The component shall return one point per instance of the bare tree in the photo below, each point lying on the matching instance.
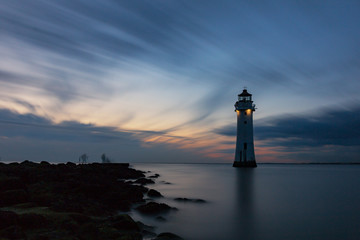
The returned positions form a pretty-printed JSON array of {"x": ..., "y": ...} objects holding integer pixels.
[
  {"x": 83, "y": 158},
  {"x": 104, "y": 158}
]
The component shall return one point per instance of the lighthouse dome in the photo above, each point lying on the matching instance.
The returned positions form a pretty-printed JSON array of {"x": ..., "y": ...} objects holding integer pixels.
[{"x": 245, "y": 93}]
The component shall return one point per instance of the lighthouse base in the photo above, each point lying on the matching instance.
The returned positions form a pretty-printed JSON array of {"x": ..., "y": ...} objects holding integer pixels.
[{"x": 251, "y": 164}]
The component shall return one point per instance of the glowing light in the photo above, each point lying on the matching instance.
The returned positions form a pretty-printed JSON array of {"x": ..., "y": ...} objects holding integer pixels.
[{"x": 248, "y": 111}]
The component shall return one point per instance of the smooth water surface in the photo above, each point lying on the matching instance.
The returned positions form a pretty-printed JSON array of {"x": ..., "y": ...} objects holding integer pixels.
[{"x": 270, "y": 202}]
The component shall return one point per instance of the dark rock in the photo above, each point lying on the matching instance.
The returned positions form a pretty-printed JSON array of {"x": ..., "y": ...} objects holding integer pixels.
[
  {"x": 44, "y": 163},
  {"x": 88, "y": 231},
  {"x": 168, "y": 236},
  {"x": 13, "y": 232},
  {"x": 32, "y": 221},
  {"x": 124, "y": 222},
  {"x": 11, "y": 183},
  {"x": 154, "y": 208},
  {"x": 27, "y": 162},
  {"x": 131, "y": 236},
  {"x": 7, "y": 219},
  {"x": 164, "y": 182},
  {"x": 13, "y": 197},
  {"x": 154, "y": 193},
  {"x": 70, "y": 164},
  {"x": 80, "y": 218},
  {"x": 161, "y": 219},
  {"x": 190, "y": 200},
  {"x": 144, "y": 181},
  {"x": 154, "y": 176}
]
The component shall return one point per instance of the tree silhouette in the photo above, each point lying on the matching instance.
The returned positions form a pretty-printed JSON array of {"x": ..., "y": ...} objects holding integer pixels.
[
  {"x": 83, "y": 158},
  {"x": 104, "y": 158}
]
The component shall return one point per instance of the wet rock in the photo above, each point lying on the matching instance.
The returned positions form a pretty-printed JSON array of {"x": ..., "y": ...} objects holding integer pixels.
[
  {"x": 144, "y": 181},
  {"x": 124, "y": 222},
  {"x": 12, "y": 232},
  {"x": 154, "y": 193},
  {"x": 13, "y": 197},
  {"x": 7, "y": 219},
  {"x": 32, "y": 221},
  {"x": 154, "y": 208},
  {"x": 80, "y": 218},
  {"x": 190, "y": 200},
  {"x": 160, "y": 219},
  {"x": 11, "y": 183},
  {"x": 164, "y": 182},
  {"x": 167, "y": 236},
  {"x": 154, "y": 176}
]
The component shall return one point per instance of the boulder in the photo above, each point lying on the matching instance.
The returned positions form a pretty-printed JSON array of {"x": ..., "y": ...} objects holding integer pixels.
[
  {"x": 12, "y": 232},
  {"x": 154, "y": 193},
  {"x": 124, "y": 222},
  {"x": 154, "y": 176},
  {"x": 154, "y": 208},
  {"x": 144, "y": 181},
  {"x": 7, "y": 219},
  {"x": 32, "y": 221},
  {"x": 167, "y": 236},
  {"x": 190, "y": 200},
  {"x": 12, "y": 197},
  {"x": 11, "y": 183}
]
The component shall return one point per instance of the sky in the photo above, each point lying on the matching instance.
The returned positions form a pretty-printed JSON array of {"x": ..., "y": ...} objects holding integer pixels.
[{"x": 156, "y": 81}]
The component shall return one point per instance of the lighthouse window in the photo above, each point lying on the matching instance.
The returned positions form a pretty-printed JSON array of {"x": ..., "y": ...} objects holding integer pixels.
[
  {"x": 245, "y": 122},
  {"x": 245, "y": 113},
  {"x": 245, "y": 145}
]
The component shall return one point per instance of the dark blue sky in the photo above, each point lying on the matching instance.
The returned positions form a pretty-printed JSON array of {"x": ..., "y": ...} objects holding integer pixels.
[{"x": 157, "y": 80}]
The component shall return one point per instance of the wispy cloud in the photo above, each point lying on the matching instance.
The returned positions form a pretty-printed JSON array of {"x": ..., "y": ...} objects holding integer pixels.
[{"x": 174, "y": 68}]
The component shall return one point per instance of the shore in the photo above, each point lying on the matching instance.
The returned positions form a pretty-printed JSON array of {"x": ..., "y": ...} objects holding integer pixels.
[{"x": 69, "y": 201}]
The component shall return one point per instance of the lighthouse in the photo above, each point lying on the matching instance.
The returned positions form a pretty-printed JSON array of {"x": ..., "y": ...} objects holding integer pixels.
[{"x": 244, "y": 153}]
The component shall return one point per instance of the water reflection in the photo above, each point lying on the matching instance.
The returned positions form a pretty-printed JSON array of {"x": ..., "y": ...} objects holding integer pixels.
[{"x": 245, "y": 203}]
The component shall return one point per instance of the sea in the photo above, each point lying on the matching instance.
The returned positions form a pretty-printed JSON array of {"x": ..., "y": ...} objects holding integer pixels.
[{"x": 270, "y": 202}]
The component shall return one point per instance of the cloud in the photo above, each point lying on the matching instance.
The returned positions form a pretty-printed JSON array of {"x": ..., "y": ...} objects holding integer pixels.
[
  {"x": 329, "y": 127},
  {"x": 28, "y": 136}
]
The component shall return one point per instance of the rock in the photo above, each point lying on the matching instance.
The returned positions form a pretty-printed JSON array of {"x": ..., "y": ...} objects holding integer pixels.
[
  {"x": 154, "y": 208},
  {"x": 88, "y": 231},
  {"x": 131, "y": 236},
  {"x": 80, "y": 218},
  {"x": 124, "y": 222},
  {"x": 160, "y": 219},
  {"x": 12, "y": 197},
  {"x": 190, "y": 200},
  {"x": 154, "y": 193},
  {"x": 32, "y": 221},
  {"x": 12, "y": 232},
  {"x": 70, "y": 164},
  {"x": 167, "y": 236},
  {"x": 7, "y": 219},
  {"x": 154, "y": 176},
  {"x": 144, "y": 181},
  {"x": 45, "y": 163},
  {"x": 11, "y": 183}
]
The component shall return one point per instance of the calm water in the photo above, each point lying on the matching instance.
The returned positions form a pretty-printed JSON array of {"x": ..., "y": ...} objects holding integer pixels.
[{"x": 269, "y": 202}]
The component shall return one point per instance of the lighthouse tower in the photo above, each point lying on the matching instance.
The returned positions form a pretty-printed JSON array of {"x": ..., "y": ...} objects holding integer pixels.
[{"x": 244, "y": 153}]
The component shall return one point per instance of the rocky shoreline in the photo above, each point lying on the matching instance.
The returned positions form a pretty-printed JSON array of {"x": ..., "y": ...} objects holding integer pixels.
[{"x": 69, "y": 201}]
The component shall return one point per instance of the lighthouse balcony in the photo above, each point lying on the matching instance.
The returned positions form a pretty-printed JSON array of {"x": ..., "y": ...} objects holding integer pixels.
[{"x": 244, "y": 106}]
